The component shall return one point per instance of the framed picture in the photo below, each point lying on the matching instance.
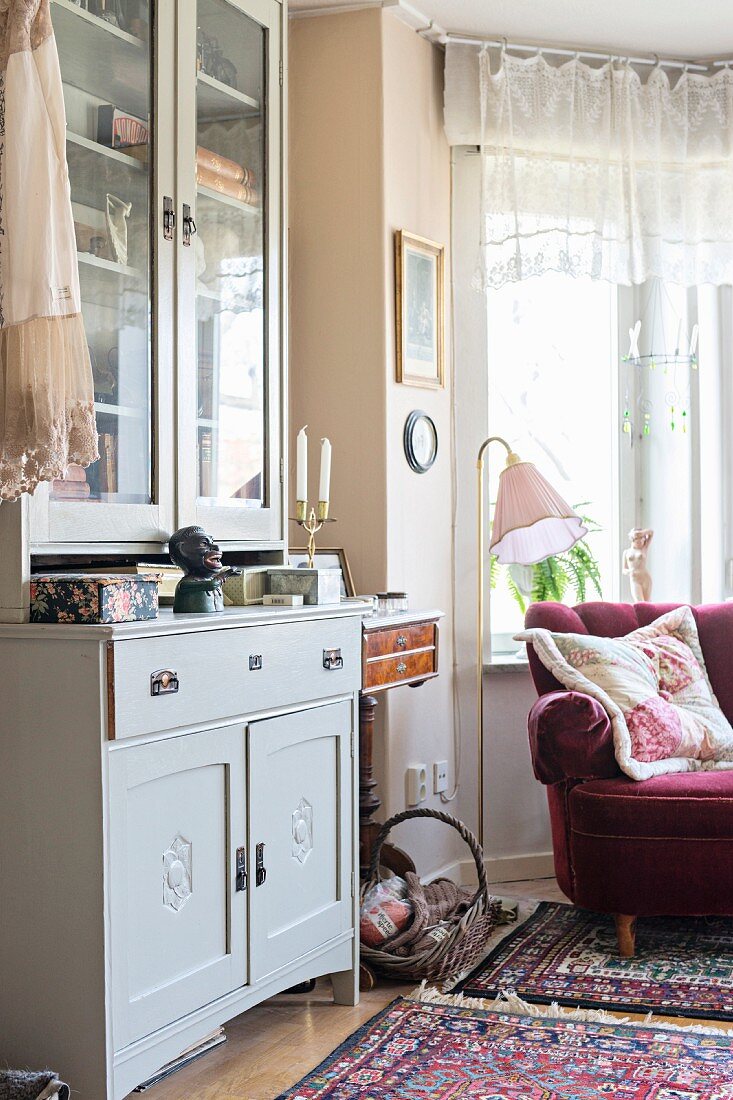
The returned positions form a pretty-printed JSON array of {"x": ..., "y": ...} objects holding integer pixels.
[
  {"x": 419, "y": 311},
  {"x": 333, "y": 558}
]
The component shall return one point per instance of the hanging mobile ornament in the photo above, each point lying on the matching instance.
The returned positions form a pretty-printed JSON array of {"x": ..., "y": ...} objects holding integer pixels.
[
  {"x": 684, "y": 421},
  {"x": 626, "y": 425},
  {"x": 672, "y": 400}
]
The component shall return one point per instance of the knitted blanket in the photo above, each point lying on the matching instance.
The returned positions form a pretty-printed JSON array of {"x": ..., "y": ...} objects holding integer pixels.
[{"x": 436, "y": 905}]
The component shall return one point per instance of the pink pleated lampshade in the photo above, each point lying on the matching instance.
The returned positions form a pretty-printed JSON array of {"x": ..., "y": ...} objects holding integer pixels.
[{"x": 531, "y": 521}]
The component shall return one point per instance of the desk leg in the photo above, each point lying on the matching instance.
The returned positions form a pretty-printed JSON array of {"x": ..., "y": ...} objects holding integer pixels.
[
  {"x": 393, "y": 858},
  {"x": 368, "y": 801}
]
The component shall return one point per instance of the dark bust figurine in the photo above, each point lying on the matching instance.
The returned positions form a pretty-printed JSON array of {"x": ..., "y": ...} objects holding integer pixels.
[{"x": 199, "y": 589}]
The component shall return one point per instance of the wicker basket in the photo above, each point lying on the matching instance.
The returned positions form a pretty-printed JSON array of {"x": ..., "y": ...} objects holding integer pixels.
[{"x": 466, "y": 939}]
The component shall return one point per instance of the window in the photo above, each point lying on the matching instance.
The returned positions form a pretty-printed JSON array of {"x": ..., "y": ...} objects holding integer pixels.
[
  {"x": 541, "y": 362},
  {"x": 631, "y": 444},
  {"x": 552, "y": 354}
]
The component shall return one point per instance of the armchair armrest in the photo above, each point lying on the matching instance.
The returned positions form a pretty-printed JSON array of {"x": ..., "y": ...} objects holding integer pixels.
[{"x": 570, "y": 737}]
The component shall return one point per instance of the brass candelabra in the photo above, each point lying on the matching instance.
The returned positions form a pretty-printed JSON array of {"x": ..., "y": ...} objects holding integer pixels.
[{"x": 312, "y": 520}]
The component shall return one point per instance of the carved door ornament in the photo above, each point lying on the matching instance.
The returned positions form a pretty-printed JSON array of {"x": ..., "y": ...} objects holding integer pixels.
[
  {"x": 177, "y": 886},
  {"x": 302, "y": 830}
]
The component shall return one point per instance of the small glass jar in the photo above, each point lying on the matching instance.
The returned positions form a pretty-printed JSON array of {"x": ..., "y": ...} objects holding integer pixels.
[{"x": 390, "y": 603}]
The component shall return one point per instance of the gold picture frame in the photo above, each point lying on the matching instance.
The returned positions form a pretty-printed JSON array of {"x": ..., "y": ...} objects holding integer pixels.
[
  {"x": 326, "y": 557},
  {"x": 419, "y": 311}
]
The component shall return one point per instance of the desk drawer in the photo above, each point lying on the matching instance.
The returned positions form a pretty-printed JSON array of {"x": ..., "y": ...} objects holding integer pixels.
[
  {"x": 228, "y": 672},
  {"x": 378, "y": 643},
  {"x": 386, "y": 671}
]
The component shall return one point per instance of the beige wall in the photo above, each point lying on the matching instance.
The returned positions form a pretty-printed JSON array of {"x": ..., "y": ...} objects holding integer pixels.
[
  {"x": 368, "y": 156},
  {"x": 417, "y": 198},
  {"x": 337, "y": 331}
]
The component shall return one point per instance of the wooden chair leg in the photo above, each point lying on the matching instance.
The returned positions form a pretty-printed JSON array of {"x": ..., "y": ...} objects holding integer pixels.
[{"x": 626, "y": 935}]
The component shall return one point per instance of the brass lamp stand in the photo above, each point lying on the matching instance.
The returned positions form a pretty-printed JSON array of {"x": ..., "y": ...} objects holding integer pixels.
[
  {"x": 532, "y": 522},
  {"x": 480, "y": 625}
]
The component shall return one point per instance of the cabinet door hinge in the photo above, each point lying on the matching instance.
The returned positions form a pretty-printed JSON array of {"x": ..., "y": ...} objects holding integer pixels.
[
  {"x": 353, "y": 884},
  {"x": 353, "y": 743},
  {"x": 282, "y": 471},
  {"x": 281, "y": 72}
]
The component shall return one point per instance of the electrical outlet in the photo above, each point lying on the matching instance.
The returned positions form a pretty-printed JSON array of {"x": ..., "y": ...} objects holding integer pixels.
[
  {"x": 416, "y": 784},
  {"x": 440, "y": 776}
]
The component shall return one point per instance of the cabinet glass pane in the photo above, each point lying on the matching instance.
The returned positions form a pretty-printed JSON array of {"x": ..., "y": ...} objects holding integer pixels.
[
  {"x": 230, "y": 256},
  {"x": 104, "y": 49}
]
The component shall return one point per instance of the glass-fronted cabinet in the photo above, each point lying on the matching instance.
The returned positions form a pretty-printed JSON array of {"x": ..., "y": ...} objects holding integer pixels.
[{"x": 174, "y": 152}]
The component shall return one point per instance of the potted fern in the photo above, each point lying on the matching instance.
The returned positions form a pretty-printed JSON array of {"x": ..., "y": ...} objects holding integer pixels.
[{"x": 576, "y": 571}]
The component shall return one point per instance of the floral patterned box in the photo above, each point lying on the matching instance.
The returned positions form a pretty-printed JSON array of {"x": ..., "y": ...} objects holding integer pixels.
[{"x": 94, "y": 598}]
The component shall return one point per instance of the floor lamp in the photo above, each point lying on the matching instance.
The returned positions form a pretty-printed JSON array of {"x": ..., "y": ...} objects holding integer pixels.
[{"x": 531, "y": 522}]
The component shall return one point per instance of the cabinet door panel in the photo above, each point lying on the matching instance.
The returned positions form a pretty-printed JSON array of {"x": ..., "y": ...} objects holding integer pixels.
[
  {"x": 177, "y": 813},
  {"x": 116, "y": 109},
  {"x": 229, "y": 319},
  {"x": 300, "y": 810}
]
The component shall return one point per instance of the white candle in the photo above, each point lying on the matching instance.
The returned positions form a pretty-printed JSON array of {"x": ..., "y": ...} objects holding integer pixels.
[
  {"x": 324, "y": 488},
  {"x": 693, "y": 339},
  {"x": 301, "y": 480}
]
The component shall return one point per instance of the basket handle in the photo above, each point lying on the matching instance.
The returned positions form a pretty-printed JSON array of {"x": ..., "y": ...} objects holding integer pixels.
[{"x": 448, "y": 819}]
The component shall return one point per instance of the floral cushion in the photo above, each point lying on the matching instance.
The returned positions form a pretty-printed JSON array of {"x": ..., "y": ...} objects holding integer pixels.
[{"x": 655, "y": 689}]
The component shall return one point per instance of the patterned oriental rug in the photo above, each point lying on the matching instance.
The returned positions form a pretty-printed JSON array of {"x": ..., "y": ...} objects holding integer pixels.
[
  {"x": 418, "y": 1050},
  {"x": 683, "y": 965}
]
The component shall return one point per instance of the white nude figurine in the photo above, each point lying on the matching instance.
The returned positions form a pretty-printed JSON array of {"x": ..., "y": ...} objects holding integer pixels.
[{"x": 635, "y": 567}]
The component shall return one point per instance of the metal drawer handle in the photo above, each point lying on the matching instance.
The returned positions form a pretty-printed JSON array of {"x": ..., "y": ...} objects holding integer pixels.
[
  {"x": 401, "y": 641},
  {"x": 241, "y": 870},
  {"x": 401, "y": 667},
  {"x": 332, "y": 659},
  {"x": 260, "y": 869},
  {"x": 163, "y": 682}
]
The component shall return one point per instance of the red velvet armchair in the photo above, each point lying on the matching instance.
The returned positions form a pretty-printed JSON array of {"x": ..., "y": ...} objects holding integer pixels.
[{"x": 660, "y": 847}]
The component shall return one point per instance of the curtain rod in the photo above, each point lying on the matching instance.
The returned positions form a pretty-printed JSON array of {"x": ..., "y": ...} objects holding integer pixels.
[{"x": 605, "y": 55}]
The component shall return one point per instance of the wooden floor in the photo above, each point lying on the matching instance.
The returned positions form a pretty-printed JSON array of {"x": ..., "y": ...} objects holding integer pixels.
[{"x": 272, "y": 1046}]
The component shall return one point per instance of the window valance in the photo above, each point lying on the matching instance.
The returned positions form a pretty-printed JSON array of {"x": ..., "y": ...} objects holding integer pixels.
[{"x": 596, "y": 171}]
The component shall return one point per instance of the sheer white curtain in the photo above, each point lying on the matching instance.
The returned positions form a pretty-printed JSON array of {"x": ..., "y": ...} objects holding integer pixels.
[{"x": 596, "y": 171}]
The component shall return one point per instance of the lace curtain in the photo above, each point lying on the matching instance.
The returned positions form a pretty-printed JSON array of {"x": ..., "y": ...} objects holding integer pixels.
[
  {"x": 595, "y": 171},
  {"x": 46, "y": 389}
]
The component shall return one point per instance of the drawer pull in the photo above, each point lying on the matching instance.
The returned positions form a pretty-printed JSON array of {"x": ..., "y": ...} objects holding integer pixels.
[
  {"x": 163, "y": 682},
  {"x": 260, "y": 869},
  {"x": 255, "y": 662},
  {"x": 332, "y": 659},
  {"x": 401, "y": 641},
  {"x": 401, "y": 667},
  {"x": 241, "y": 870}
]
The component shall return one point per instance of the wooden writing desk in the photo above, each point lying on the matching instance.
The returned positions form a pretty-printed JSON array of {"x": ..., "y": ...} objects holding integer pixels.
[{"x": 396, "y": 649}]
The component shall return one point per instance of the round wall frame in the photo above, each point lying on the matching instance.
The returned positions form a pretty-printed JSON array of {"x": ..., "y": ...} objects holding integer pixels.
[{"x": 420, "y": 441}]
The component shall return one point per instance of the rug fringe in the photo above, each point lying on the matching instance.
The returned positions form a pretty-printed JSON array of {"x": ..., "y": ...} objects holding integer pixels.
[{"x": 509, "y": 1002}]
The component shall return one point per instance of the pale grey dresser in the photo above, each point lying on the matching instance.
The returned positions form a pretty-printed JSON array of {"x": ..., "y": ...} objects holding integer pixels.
[{"x": 177, "y": 830}]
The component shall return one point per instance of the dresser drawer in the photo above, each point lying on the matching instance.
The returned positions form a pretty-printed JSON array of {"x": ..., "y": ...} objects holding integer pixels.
[
  {"x": 379, "y": 643},
  {"x": 384, "y": 672},
  {"x": 174, "y": 680}
]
